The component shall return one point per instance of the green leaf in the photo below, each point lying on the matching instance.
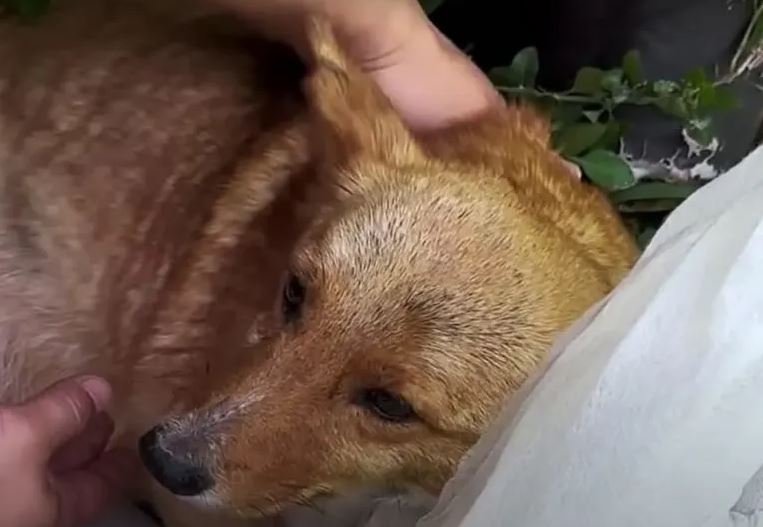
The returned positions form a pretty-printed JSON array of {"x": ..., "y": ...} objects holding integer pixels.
[
  {"x": 523, "y": 70},
  {"x": 701, "y": 134},
  {"x": 606, "y": 169},
  {"x": 612, "y": 80},
  {"x": 697, "y": 78},
  {"x": 706, "y": 98},
  {"x": 565, "y": 114},
  {"x": 716, "y": 99},
  {"x": 633, "y": 68},
  {"x": 665, "y": 88},
  {"x": 575, "y": 139},
  {"x": 673, "y": 105},
  {"x": 28, "y": 10},
  {"x": 429, "y": 6},
  {"x": 614, "y": 83},
  {"x": 655, "y": 191},
  {"x": 588, "y": 81},
  {"x": 527, "y": 62},
  {"x": 725, "y": 99},
  {"x": 610, "y": 140}
]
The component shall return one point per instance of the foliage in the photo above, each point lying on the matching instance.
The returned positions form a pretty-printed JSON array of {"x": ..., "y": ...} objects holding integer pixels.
[
  {"x": 588, "y": 129},
  {"x": 585, "y": 121}
]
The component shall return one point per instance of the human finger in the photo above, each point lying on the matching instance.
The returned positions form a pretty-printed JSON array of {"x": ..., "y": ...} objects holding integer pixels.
[
  {"x": 85, "y": 447},
  {"x": 84, "y": 494},
  {"x": 62, "y": 411}
]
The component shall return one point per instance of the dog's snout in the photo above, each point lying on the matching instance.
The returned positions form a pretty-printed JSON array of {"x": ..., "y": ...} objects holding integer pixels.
[{"x": 174, "y": 470}]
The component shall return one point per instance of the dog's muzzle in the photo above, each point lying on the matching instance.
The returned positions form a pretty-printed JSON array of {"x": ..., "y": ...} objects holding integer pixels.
[{"x": 173, "y": 464}]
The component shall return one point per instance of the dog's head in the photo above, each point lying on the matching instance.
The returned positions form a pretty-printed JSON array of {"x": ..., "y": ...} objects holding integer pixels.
[{"x": 408, "y": 314}]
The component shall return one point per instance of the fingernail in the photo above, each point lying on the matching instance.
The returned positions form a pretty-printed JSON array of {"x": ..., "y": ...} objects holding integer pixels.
[{"x": 99, "y": 391}]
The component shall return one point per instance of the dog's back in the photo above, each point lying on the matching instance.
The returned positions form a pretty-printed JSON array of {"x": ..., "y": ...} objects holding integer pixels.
[{"x": 122, "y": 134}]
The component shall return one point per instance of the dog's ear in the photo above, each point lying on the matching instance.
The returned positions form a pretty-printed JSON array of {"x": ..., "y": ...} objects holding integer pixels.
[
  {"x": 488, "y": 134},
  {"x": 352, "y": 115}
]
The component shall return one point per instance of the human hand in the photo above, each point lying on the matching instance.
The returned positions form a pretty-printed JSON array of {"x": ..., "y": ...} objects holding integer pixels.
[
  {"x": 427, "y": 79},
  {"x": 54, "y": 471}
]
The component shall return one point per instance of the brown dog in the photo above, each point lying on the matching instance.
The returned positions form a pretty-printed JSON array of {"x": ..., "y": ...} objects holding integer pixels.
[{"x": 345, "y": 304}]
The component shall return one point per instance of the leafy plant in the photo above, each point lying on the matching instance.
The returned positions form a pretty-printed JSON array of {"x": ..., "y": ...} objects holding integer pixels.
[
  {"x": 585, "y": 124},
  {"x": 584, "y": 118},
  {"x": 587, "y": 129}
]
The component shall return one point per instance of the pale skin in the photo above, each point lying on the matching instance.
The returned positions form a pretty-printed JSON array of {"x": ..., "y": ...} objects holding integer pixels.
[
  {"x": 55, "y": 470},
  {"x": 54, "y": 466},
  {"x": 427, "y": 79}
]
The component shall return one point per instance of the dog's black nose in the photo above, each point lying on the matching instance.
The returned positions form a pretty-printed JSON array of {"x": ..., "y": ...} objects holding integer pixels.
[{"x": 172, "y": 470}]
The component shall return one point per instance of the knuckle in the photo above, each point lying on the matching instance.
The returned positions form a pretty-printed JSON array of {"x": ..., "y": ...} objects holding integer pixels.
[{"x": 66, "y": 404}]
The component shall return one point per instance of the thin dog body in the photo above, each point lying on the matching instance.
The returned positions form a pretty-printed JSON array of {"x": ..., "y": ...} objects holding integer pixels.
[{"x": 293, "y": 295}]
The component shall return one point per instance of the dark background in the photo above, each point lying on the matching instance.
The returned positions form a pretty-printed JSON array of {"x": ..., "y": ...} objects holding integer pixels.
[{"x": 673, "y": 37}]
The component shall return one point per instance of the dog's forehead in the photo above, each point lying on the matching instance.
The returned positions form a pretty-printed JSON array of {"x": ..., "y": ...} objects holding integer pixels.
[
  {"x": 420, "y": 228},
  {"x": 433, "y": 260}
]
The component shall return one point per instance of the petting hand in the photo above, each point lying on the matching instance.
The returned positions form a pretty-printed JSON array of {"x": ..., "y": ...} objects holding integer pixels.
[
  {"x": 54, "y": 471},
  {"x": 428, "y": 80}
]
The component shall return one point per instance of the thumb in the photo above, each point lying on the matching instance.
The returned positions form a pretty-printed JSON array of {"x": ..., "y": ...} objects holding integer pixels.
[{"x": 63, "y": 411}]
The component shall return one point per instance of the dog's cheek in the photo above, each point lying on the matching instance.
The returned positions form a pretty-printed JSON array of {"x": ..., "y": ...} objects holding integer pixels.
[{"x": 268, "y": 472}]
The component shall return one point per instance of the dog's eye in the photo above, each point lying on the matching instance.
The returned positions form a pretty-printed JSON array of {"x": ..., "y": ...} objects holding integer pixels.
[
  {"x": 293, "y": 298},
  {"x": 386, "y": 405}
]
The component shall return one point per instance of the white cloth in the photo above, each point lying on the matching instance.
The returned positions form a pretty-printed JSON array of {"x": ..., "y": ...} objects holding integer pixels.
[{"x": 651, "y": 414}]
